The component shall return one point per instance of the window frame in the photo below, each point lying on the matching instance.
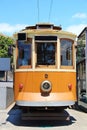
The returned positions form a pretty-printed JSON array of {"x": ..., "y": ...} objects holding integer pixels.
[
  {"x": 73, "y": 61},
  {"x": 46, "y": 66},
  {"x": 23, "y": 66}
]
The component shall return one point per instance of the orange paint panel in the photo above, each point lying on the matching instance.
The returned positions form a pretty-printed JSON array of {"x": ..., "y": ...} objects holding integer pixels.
[
  {"x": 32, "y": 81},
  {"x": 22, "y": 78}
]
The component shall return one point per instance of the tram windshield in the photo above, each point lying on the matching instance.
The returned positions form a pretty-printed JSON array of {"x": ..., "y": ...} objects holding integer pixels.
[{"x": 46, "y": 53}]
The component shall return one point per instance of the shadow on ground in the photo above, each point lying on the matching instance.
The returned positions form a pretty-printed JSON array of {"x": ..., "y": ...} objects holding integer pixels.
[{"x": 15, "y": 118}]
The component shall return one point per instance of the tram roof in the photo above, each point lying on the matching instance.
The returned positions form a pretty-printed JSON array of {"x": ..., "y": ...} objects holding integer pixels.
[{"x": 46, "y": 28}]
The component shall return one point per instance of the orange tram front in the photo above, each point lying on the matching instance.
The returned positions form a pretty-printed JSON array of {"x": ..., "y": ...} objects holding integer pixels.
[{"x": 44, "y": 67}]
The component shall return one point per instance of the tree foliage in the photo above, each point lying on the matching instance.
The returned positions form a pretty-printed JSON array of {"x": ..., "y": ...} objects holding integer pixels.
[{"x": 4, "y": 44}]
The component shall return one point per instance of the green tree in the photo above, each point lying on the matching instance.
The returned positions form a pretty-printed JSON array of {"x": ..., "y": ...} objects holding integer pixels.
[{"x": 4, "y": 44}]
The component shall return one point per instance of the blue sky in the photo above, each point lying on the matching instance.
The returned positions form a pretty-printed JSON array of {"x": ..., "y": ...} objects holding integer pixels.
[{"x": 16, "y": 14}]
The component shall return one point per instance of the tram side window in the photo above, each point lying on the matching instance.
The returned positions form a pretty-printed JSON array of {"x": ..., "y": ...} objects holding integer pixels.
[
  {"x": 66, "y": 52},
  {"x": 24, "y": 54}
]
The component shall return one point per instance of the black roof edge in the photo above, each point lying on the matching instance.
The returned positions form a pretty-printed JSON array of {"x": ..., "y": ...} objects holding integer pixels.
[{"x": 85, "y": 29}]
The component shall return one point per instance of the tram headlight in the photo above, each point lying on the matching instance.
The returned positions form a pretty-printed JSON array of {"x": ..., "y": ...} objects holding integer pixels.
[{"x": 46, "y": 86}]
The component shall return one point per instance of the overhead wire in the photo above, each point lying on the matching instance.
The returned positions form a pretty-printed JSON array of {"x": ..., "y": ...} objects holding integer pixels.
[
  {"x": 38, "y": 9},
  {"x": 50, "y": 10},
  {"x": 51, "y": 3}
]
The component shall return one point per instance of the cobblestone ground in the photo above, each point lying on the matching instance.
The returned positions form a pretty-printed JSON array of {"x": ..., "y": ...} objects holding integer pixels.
[{"x": 10, "y": 119}]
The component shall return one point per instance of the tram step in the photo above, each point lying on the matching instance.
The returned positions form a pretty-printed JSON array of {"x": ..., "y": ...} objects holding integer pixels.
[{"x": 46, "y": 116}]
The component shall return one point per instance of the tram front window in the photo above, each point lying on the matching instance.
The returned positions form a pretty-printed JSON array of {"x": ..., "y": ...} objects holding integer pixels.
[
  {"x": 46, "y": 53},
  {"x": 66, "y": 52},
  {"x": 24, "y": 54}
]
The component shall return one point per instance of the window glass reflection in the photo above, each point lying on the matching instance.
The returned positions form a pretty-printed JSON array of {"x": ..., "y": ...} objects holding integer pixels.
[
  {"x": 24, "y": 54},
  {"x": 45, "y": 53},
  {"x": 66, "y": 52}
]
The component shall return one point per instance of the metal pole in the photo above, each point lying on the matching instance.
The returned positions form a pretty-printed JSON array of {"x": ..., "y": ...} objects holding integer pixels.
[{"x": 86, "y": 59}]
